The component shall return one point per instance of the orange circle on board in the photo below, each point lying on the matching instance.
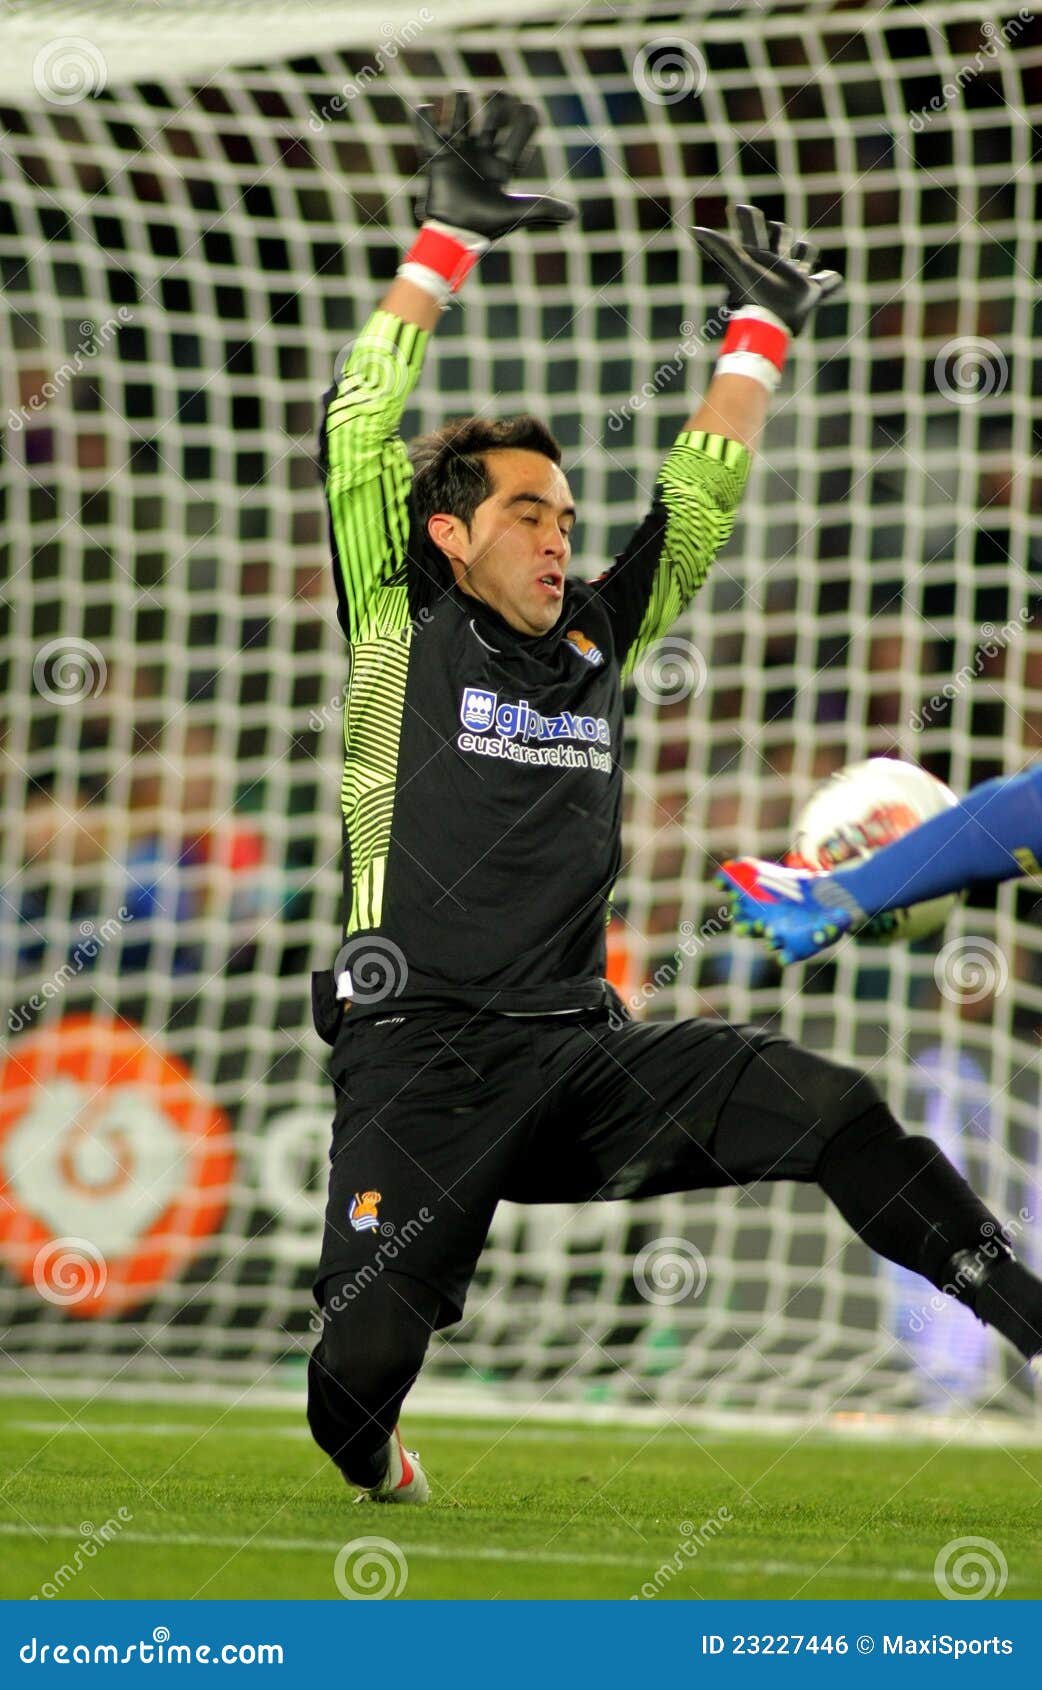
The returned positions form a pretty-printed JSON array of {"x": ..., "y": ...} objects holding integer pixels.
[{"x": 73, "y": 1079}]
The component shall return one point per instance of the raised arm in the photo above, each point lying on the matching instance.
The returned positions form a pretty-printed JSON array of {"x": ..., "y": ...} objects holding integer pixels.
[
  {"x": 366, "y": 467},
  {"x": 772, "y": 290},
  {"x": 462, "y": 208}
]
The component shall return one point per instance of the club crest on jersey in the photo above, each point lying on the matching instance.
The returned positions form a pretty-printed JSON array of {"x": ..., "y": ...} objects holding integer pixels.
[
  {"x": 582, "y": 643},
  {"x": 477, "y": 708},
  {"x": 363, "y": 1211}
]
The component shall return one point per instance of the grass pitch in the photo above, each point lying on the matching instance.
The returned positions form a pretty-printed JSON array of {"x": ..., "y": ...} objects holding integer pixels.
[{"x": 231, "y": 1502}]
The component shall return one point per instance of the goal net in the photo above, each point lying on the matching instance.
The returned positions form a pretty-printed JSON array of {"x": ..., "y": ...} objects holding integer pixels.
[{"x": 188, "y": 241}]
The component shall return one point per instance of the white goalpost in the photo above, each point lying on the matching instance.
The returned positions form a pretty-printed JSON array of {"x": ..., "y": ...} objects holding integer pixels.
[{"x": 196, "y": 215}]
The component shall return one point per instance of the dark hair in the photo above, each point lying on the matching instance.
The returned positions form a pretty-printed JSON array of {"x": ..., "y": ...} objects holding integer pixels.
[{"x": 451, "y": 475}]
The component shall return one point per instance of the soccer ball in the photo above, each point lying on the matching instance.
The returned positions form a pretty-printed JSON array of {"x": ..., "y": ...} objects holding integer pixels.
[{"x": 864, "y": 806}]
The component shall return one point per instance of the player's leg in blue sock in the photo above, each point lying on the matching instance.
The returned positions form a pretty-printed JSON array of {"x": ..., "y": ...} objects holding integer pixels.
[{"x": 994, "y": 834}]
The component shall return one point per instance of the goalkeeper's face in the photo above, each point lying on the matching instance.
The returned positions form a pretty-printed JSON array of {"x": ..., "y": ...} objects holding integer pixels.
[{"x": 515, "y": 555}]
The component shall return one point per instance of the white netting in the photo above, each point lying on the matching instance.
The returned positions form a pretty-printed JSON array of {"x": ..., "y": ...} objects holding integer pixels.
[{"x": 181, "y": 265}]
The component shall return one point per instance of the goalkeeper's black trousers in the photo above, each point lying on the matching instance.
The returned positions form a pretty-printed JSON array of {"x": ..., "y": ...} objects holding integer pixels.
[{"x": 438, "y": 1118}]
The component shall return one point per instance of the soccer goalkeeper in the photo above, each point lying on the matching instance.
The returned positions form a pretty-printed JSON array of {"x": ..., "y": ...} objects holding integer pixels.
[{"x": 481, "y": 1055}]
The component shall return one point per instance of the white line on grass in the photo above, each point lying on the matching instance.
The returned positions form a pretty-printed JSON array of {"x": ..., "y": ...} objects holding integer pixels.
[
  {"x": 157, "y": 1429},
  {"x": 484, "y": 1552},
  {"x": 175, "y": 1428},
  {"x": 442, "y": 1401},
  {"x": 549, "y": 1433}
]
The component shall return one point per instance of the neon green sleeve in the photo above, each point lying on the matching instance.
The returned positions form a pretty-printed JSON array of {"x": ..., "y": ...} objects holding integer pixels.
[
  {"x": 693, "y": 512},
  {"x": 368, "y": 473}
]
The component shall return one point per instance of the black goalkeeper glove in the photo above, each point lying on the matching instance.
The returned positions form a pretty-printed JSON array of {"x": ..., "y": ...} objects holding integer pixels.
[
  {"x": 765, "y": 267},
  {"x": 467, "y": 170}
]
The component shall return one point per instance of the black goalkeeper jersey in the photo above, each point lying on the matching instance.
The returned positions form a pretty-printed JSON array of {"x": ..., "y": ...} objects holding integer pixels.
[{"x": 482, "y": 787}]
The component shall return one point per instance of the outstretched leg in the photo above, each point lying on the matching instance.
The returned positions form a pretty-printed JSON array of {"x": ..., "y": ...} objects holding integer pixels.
[
  {"x": 794, "y": 1114},
  {"x": 695, "y": 1104},
  {"x": 994, "y": 834}
]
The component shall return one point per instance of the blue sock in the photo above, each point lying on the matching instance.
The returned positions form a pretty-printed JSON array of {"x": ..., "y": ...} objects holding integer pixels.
[{"x": 994, "y": 834}]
